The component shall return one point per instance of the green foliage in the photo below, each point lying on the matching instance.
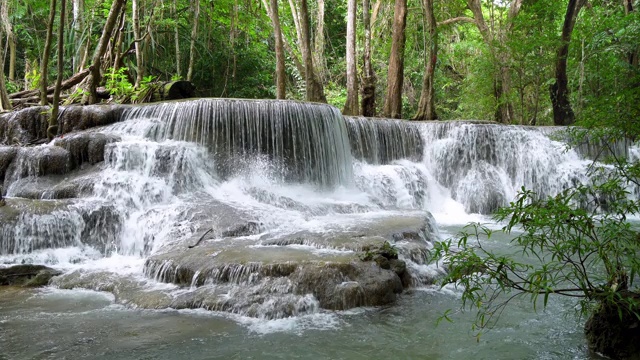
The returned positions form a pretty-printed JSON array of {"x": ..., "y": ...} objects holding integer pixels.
[
  {"x": 386, "y": 250},
  {"x": 12, "y": 87},
  {"x": 577, "y": 244},
  {"x": 117, "y": 83}
]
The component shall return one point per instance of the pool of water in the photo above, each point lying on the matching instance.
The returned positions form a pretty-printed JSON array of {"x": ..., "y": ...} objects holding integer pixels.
[{"x": 57, "y": 324}]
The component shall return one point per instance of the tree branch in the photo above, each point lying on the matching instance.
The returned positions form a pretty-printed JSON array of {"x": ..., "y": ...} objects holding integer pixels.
[{"x": 456, "y": 20}]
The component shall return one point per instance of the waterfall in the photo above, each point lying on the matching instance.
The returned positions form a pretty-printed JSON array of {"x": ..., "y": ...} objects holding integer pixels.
[
  {"x": 303, "y": 142},
  {"x": 380, "y": 141},
  {"x": 264, "y": 186}
]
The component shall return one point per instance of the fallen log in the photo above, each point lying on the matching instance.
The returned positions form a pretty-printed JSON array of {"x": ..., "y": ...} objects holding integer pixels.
[
  {"x": 66, "y": 85},
  {"x": 173, "y": 90}
]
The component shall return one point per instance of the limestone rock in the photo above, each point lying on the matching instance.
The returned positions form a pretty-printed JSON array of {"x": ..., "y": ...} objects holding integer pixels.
[{"x": 27, "y": 275}]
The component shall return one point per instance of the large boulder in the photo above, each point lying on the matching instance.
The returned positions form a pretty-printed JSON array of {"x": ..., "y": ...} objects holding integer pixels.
[
  {"x": 85, "y": 147},
  {"x": 27, "y": 275}
]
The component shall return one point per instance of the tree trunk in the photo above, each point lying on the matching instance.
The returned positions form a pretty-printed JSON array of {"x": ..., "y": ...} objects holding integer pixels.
[
  {"x": 351, "y": 105},
  {"x": 5, "y": 104},
  {"x": 176, "y": 39},
  {"x": 95, "y": 77},
  {"x": 52, "y": 130},
  {"x": 116, "y": 51},
  {"x": 318, "y": 53},
  {"x": 135, "y": 14},
  {"x": 11, "y": 38},
  {"x": 315, "y": 91},
  {"x": 12, "y": 57},
  {"x": 427, "y": 104},
  {"x": 393, "y": 101},
  {"x": 272, "y": 10},
  {"x": 194, "y": 34},
  {"x": 633, "y": 54},
  {"x": 501, "y": 57},
  {"x": 77, "y": 9},
  {"x": 368, "y": 105},
  {"x": 44, "y": 66},
  {"x": 562, "y": 112}
]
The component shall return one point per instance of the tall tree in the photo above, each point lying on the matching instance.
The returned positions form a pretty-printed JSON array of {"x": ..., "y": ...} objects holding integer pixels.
[
  {"x": 95, "y": 77},
  {"x": 495, "y": 38},
  {"x": 633, "y": 54},
  {"x": 44, "y": 65},
  {"x": 351, "y": 105},
  {"x": 77, "y": 23},
  {"x": 559, "y": 90},
  {"x": 194, "y": 35},
  {"x": 368, "y": 105},
  {"x": 11, "y": 38},
  {"x": 5, "y": 104},
  {"x": 135, "y": 14},
  {"x": 427, "y": 104},
  {"x": 52, "y": 130},
  {"x": 272, "y": 10},
  {"x": 314, "y": 88},
  {"x": 176, "y": 38},
  {"x": 319, "y": 59},
  {"x": 395, "y": 75}
]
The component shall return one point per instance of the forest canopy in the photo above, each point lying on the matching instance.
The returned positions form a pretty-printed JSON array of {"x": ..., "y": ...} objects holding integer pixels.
[{"x": 533, "y": 62}]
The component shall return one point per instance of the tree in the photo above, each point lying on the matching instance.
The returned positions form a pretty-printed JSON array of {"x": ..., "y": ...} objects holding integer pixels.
[
  {"x": 427, "y": 105},
  {"x": 5, "y": 104},
  {"x": 368, "y": 105},
  {"x": 395, "y": 76},
  {"x": 351, "y": 105},
  {"x": 96, "y": 67},
  {"x": 272, "y": 10},
  {"x": 495, "y": 41},
  {"x": 44, "y": 65},
  {"x": 52, "y": 130},
  {"x": 314, "y": 88},
  {"x": 194, "y": 34},
  {"x": 559, "y": 90}
]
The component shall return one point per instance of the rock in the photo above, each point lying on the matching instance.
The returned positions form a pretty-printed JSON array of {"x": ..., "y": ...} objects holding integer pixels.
[
  {"x": 24, "y": 126},
  {"x": 7, "y": 153},
  {"x": 340, "y": 286},
  {"x": 85, "y": 147},
  {"x": 38, "y": 161},
  {"x": 611, "y": 336},
  {"x": 29, "y": 225},
  {"x": 27, "y": 275},
  {"x": 72, "y": 185},
  {"x": 29, "y": 126},
  {"x": 76, "y": 118}
]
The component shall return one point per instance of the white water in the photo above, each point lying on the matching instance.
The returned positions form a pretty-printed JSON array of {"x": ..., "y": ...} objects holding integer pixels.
[{"x": 172, "y": 158}]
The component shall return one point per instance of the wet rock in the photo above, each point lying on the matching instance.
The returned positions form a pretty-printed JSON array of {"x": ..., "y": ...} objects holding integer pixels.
[
  {"x": 29, "y": 126},
  {"x": 614, "y": 331},
  {"x": 27, "y": 275},
  {"x": 76, "y": 118},
  {"x": 24, "y": 126},
  {"x": 340, "y": 286},
  {"x": 73, "y": 185},
  {"x": 29, "y": 225},
  {"x": 38, "y": 161},
  {"x": 85, "y": 147},
  {"x": 7, "y": 154}
]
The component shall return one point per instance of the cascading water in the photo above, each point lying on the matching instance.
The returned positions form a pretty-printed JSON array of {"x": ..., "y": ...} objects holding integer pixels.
[{"x": 264, "y": 185}]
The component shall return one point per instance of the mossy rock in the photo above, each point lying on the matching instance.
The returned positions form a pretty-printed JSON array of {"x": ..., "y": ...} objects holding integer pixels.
[
  {"x": 614, "y": 331},
  {"x": 27, "y": 275}
]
